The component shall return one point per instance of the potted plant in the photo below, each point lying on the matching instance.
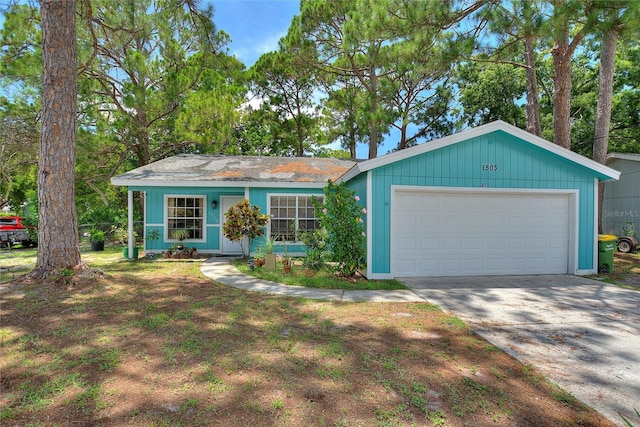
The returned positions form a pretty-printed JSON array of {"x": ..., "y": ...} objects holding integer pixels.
[
  {"x": 286, "y": 264},
  {"x": 258, "y": 257},
  {"x": 97, "y": 238},
  {"x": 152, "y": 235},
  {"x": 270, "y": 256},
  {"x": 179, "y": 250},
  {"x": 286, "y": 259},
  {"x": 121, "y": 234},
  {"x": 180, "y": 234},
  {"x": 312, "y": 261}
]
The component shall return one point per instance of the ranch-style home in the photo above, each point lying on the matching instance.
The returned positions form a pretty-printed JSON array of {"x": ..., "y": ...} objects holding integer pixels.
[{"x": 493, "y": 200}]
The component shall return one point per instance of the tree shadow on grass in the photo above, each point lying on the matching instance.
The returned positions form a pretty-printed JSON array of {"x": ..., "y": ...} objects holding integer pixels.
[{"x": 167, "y": 346}]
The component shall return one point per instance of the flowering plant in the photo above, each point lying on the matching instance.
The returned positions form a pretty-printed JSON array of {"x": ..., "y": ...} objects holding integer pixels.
[
  {"x": 244, "y": 221},
  {"x": 341, "y": 217}
]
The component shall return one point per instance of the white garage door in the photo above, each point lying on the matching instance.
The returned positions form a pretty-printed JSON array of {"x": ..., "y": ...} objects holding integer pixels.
[{"x": 461, "y": 234}]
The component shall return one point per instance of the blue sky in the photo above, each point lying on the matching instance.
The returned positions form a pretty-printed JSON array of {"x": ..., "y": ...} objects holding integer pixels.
[{"x": 255, "y": 26}]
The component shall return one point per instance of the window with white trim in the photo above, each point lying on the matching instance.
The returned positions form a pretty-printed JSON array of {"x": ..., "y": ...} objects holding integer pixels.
[
  {"x": 290, "y": 214},
  {"x": 186, "y": 213}
]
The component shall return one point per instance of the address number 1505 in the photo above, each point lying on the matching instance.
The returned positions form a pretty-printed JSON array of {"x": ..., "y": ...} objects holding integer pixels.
[{"x": 489, "y": 167}]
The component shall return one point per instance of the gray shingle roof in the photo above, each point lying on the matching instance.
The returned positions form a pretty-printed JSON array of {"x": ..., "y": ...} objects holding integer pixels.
[{"x": 198, "y": 169}]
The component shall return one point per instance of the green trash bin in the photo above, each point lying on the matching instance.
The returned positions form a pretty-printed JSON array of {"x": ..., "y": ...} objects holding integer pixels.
[{"x": 606, "y": 247}]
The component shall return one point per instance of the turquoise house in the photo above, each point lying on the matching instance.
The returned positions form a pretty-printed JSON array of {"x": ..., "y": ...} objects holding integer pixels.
[{"x": 494, "y": 200}]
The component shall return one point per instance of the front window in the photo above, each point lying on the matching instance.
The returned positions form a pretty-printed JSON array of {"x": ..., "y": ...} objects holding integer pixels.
[
  {"x": 185, "y": 213},
  {"x": 290, "y": 214}
]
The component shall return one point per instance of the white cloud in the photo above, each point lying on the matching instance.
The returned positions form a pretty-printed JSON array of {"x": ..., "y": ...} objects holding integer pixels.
[{"x": 250, "y": 50}]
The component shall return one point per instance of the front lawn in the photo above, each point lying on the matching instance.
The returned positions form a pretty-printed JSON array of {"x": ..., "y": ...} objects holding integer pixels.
[{"x": 155, "y": 343}]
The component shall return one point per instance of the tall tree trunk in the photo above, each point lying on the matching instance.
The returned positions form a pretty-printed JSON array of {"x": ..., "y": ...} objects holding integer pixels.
[
  {"x": 533, "y": 107},
  {"x": 299, "y": 130},
  {"x": 373, "y": 121},
  {"x": 603, "y": 109},
  {"x": 562, "y": 52},
  {"x": 403, "y": 135},
  {"x": 58, "y": 246},
  {"x": 562, "y": 91},
  {"x": 352, "y": 142}
]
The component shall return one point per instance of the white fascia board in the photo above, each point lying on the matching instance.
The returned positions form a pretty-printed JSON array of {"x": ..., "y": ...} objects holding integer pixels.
[
  {"x": 498, "y": 125},
  {"x": 350, "y": 174},
  {"x": 214, "y": 184}
]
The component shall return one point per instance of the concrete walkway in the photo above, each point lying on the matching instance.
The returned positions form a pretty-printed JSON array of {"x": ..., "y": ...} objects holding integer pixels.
[{"x": 220, "y": 270}]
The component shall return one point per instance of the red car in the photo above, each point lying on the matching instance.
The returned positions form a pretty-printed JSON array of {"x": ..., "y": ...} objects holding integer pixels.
[{"x": 12, "y": 232}]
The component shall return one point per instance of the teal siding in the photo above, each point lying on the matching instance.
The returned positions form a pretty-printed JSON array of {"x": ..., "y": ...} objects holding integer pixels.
[
  {"x": 510, "y": 163},
  {"x": 259, "y": 197},
  {"x": 155, "y": 214}
]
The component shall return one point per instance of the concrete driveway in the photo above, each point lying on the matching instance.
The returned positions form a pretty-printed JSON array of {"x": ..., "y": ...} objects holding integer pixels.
[{"x": 581, "y": 333}]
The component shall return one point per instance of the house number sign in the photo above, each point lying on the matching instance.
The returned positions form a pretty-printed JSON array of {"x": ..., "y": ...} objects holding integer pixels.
[{"x": 489, "y": 167}]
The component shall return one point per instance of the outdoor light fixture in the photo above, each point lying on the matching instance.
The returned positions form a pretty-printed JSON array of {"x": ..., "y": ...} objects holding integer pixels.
[{"x": 214, "y": 204}]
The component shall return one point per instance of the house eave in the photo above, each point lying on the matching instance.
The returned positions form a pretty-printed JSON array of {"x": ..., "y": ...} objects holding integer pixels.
[{"x": 214, "y": 184}]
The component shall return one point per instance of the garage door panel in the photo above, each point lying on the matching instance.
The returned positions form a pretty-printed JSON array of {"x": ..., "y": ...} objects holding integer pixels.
[
  {"x": 537, "y": 263},
  {"x": 473, "y": 264},
  {"x": 469, "y": 233},
  {"x": 557, "y": 266},
  {"x": 427, "y": 265},
  {"x": 451, "y": 244},
  {"x": 536, "y": 243},
  {"x": 495, "y": 223},
  {"x": 515, "y": 243},
  {"x": 472, "y": 222},
  {"x": 516, "y": 264},
  {"x": 476, "y": 243},
  {"x": 539, "y": 221},
  {"x": 495, "y": 264},
  {"x": 452, "y": 203},
  {"x": 450, "y": 266}
]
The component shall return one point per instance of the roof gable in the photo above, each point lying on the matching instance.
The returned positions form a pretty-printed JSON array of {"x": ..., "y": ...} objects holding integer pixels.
[
  {"x": 601, "y": 171},
  {"x": 236, "y": 171}
]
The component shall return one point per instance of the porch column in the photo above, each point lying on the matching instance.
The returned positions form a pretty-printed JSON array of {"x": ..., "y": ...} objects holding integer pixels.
[{"x": 131, "y": 242}]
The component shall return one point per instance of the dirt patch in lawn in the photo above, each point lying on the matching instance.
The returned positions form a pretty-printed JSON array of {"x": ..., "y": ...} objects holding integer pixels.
[{"x": 155, "y": 343}]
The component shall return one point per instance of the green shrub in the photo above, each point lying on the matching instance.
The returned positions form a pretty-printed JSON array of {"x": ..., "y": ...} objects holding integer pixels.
[{"x": 341, "y": 217}]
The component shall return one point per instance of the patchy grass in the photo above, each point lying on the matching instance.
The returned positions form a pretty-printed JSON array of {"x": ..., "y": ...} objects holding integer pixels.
[
  {"x": 626, "y": 271},
  {"x": 324, "y": 279},
  {"x": 156, "y": 343}
]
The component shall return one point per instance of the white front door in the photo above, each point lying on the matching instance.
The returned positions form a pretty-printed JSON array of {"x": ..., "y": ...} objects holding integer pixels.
[{"x": 229, "y": 247}]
